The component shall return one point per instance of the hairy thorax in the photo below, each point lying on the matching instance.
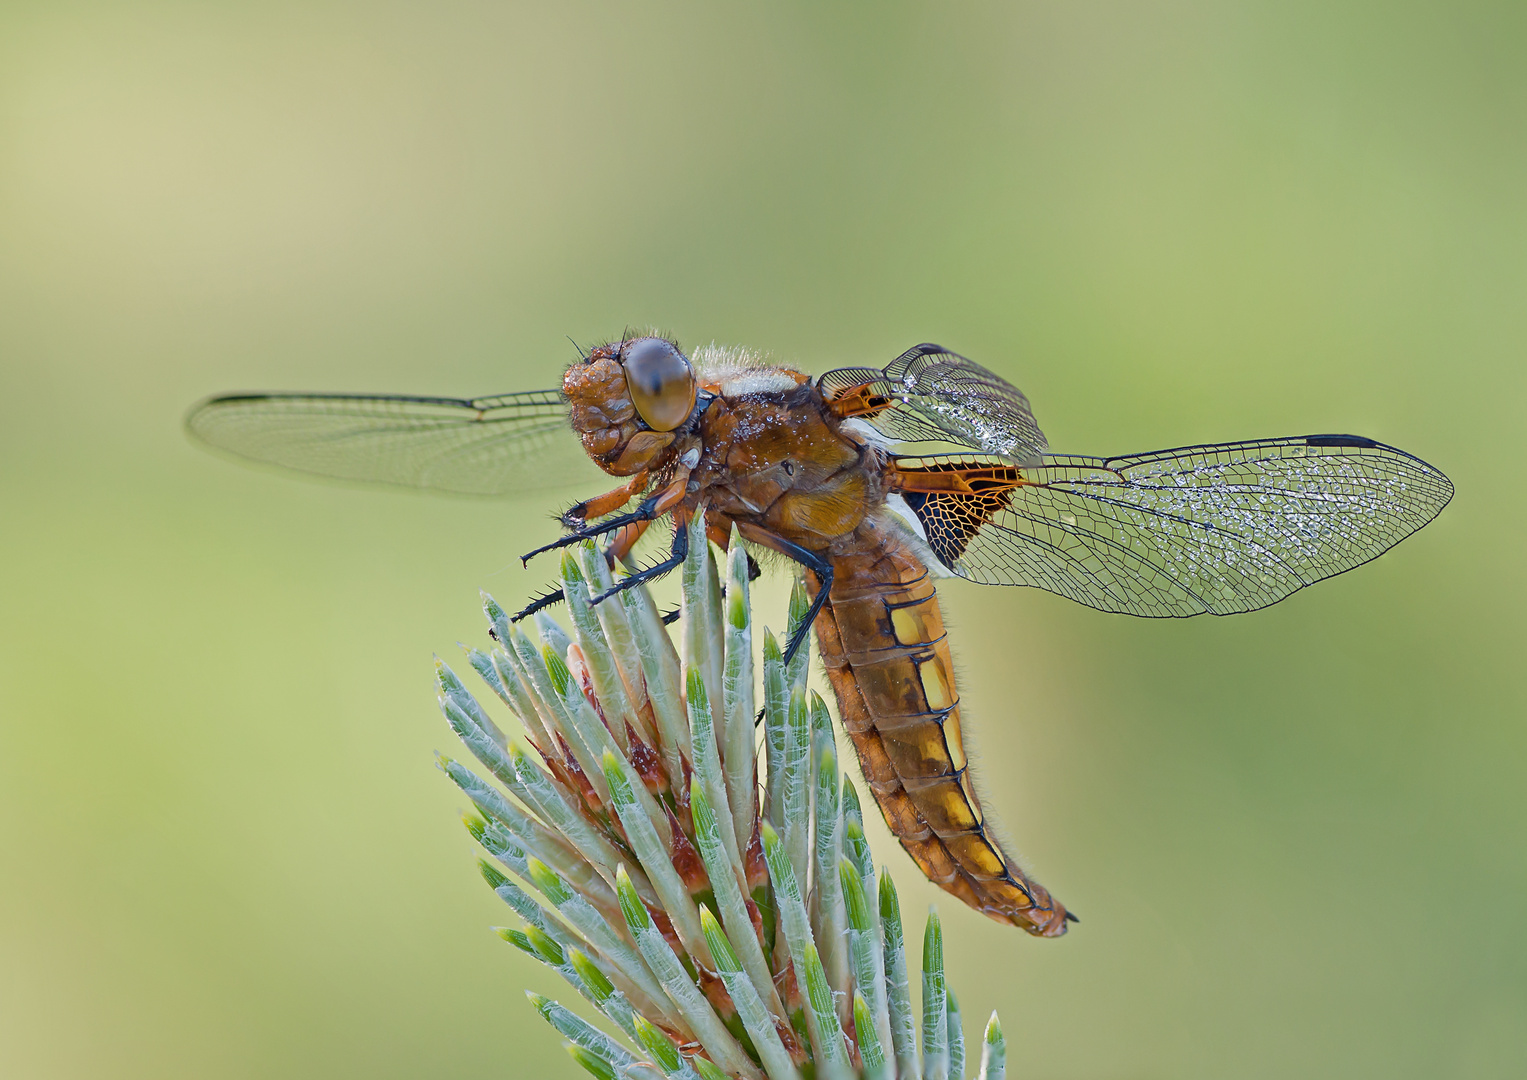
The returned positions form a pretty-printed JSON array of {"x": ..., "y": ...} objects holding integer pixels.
[{"x": 781, "y": 461}]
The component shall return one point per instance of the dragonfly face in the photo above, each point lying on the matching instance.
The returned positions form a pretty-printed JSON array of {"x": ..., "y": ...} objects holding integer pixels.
[
  {"x": 627, "y": 401},
  {"x": 876, "y": 480}
]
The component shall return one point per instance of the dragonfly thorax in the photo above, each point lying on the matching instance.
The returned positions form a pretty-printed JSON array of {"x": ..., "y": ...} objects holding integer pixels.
[{"x": 779, "y": 459}]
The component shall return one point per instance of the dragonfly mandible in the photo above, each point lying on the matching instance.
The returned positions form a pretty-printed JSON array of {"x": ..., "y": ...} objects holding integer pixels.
[{"x": 877, "y": 481}]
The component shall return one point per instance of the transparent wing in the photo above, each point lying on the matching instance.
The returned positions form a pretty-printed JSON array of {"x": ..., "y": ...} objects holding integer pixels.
[
  {"x": 931, "y": 395},
  {"x": 1218, "y": 529},
  {"x": 478, "y": 446}
]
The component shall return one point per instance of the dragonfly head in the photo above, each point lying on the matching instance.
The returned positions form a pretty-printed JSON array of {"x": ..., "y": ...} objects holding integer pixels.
[{"x": 630, "y": 401}]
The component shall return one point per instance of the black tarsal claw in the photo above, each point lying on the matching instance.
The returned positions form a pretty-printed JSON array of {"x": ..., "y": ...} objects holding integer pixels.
[
  {"x": 571, "y": 538},
  {"x": 672, "y": 617}
]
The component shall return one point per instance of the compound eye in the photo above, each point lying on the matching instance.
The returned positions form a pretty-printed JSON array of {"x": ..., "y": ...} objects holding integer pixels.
[{"x": 661, "y": 383}]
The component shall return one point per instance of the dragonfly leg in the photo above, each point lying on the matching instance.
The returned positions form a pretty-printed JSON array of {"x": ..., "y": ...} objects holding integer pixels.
[
  {"x": 555, "y": 596},
  {"x": 719, "y": 530},
  {"x": 625, "y": 540},
  {"x": 653, "y": 507},
  {"x": 818, "y": 564},
  {"x": 676, "y": 556},
  {"x": 613, "y": 524},
  {"x": 577, "y": 516}
]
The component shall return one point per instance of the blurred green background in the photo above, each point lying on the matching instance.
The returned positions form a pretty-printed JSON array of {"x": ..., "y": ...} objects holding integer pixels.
[{"x": 1297, "y": 839}]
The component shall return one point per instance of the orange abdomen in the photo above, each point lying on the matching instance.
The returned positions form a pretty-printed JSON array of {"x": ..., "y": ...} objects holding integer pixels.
[{"x": 882, "y": 641}]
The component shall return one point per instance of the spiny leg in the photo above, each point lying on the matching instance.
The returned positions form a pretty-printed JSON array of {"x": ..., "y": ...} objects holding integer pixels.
[
  {"x": 819, "y": 565},
  {"x": 577, "y": 515},
  {"x": 629, "y": 527},
  {"x": 655, "y": 506},
  {"x": 675, "y": 558},
  {"x": 618, "y": 550},
  {"x": 624, "y": 541},
  {"x": 822, "y": 568},
  {"x": 644, "y": 512},
  {"x": 721, "y": 536},
  {"x": 555, "y": 596}
]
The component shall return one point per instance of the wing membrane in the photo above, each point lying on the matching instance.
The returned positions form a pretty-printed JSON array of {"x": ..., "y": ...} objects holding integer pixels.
[
  {"x": 476, "y": 446},
  {"x": 932, "y": 395},
  {"x": 1218, "y": 529}
]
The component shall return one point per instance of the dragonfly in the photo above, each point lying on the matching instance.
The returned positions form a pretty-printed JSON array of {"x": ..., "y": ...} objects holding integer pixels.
[{"x": 878, "y": 482}]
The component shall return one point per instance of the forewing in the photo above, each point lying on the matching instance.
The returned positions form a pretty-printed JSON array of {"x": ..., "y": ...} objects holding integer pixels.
[
  {"x": 1218, "y": 529},
  {"x": 931, "y": 395},
  {"x": 478, "y": 446}
]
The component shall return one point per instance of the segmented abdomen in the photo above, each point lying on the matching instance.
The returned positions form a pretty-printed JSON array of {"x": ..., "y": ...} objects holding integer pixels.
[{"x": 882, "y": 640}]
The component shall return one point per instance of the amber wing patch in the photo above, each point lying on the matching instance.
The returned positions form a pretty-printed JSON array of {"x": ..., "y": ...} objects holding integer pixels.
[{"x": 953, "y": 501}]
